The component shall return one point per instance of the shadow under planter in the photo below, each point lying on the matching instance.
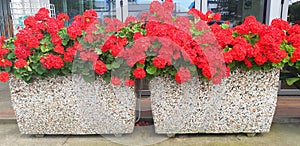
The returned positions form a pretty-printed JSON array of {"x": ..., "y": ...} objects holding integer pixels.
[
  {"x": 68, "y": 105},
  {"x": 243, "y": 103}
]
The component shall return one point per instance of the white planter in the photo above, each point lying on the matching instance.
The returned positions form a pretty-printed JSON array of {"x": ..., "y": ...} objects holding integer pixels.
[
  {"x": 68, "y": 105},
  {"x": 243, "y": 103}
]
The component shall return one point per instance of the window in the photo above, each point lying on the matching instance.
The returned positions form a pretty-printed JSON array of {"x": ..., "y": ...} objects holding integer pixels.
[
  {"x": 137, "y": 7},
  {"x": 236, "y": 11},
  {"x": 293, "y": 18},
  {"x": 104, "y": 8}
]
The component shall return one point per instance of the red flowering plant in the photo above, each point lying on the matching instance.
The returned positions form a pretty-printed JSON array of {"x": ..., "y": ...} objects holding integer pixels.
[
  {"x": 290, "y": 72},
  {"x": 45, "y": 47},
  {"x": 156, "y": 44},
  {"x": 5, "y": 64},
  {"x": 253, "y": 45},
  {"x": 38, "y": 48},
  {"x": 159, "y": 44}
]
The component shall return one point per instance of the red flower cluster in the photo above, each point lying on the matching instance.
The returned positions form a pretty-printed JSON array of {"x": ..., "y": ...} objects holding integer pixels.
[
  {"x": 163, "y": 11},
  {"x": 129, "y": 82},
  {"x": 4, "y": 63},
  {"x": 137, "y": 52},
  {"x": 82, "y": 22},
  {"x": 208, "y": 16},
  {"x": 294, "y": 39},
  {"x": 52, "y": 61},
  {"x": 29, "y": 38},
  {"x": 115, "y": 45},
  {"x": 182, "y": 75},
  {"x": 4, "y": 76},
  {"x": 255, "y": 41},
  {"x": 3, "y": 51},
  {"x": 99, "y": 67},
  {"x": 20, "y": 63},
  {"x": 156, "y": 44},
  {"x": 139, "y": 73},
  {"x": 113, "y": 25},
  {"x": 115, "y": 81},
  {"x": 176, "y": 42},
  {"x": 159, "y": 62}
]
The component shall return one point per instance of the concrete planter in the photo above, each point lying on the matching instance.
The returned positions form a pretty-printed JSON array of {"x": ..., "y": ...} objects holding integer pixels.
[
  {"x": 68, "y": 105},
  {"x": 243, "y": 103}
]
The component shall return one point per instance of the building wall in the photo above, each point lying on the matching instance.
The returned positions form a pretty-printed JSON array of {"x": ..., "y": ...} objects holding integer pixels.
[
  {"x": 21, "y": 9},
  {"x": 6, "y": 28}
]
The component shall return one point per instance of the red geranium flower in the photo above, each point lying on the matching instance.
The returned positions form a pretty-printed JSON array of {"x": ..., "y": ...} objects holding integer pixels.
[
  {"x": 100, "y": 67},
  {"x": 4, "y": 76},
  {"x": 139, "y": 73},
  {"x": 22, "y": 52},
  {"x": 182, "y": 75},
  {"x": 62, "y": 17},
  {"x": 20, "y": 63},
  {"x": 137, "y": 35},
  {"x": 248, "y": 63},
  {"x": 3, "y": 52},
  {"x": 52, "y": 61},
  {"x": 159, "y": 62},
  {"x": 42, "y": 14},
  {"x": 129, "y": 82},
  {"x": 5, "y": 63},
  {"x": 115, "y": 80},
  {"x": 59, "y": 49}
]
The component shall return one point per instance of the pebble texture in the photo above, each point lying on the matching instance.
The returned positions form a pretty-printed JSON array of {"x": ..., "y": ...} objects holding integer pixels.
[
  {"x": 68, "y": 105},
  {"x": 243, "y": 103}
]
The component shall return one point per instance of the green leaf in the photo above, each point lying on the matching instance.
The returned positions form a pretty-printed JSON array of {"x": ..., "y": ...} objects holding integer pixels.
[
  {"x": 115, "y": 64},
  {"x": 18, "y": 75},
  {"x": 224, "y": 26},
  {"x": 280, "y": 65},
  {"x": 256, "y": 68},
  {"x": 140, "y": 65},
  {"x": 173, "y": 72},
  {"x": 291, "y": 81},
  {"x": 45, "y": 49},
  {"x": 98, "y": 51},
  {"x": 235, "y": 34},
  {"x": 107, "y": 79},
  {"x": 54, "y": 71},
  {"x": 39, "y": 69},
  {"x": 267, "y": 67},
  {"x": 290, "y": 49},
  {"x": 122, "y": 34},
  {"x": 297, "y": 65},
  {"x": 149, "y": 77},
  {"x": 11, "y": 56},
  {"x": 291, "y": 63},
  {"x": 109, "y": 66},
  {"x": 65, "y": 42},
  {"x": 28, "y": 78},
  {"x": 231, "y": 65},
  {"x": 28, "y": 68},
  {"x": 192, "y": 68},
  {"x": 151, "y": 70},
  {"x": 65, "y": 71},
  {"x": 89, "y": 78},
  {"x": 285, "y": 60}
]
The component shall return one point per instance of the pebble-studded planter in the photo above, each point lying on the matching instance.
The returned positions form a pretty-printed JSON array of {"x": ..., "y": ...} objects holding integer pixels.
[
  {"x": 68, "y": 105},
  {"x": 243, "y": 103}
]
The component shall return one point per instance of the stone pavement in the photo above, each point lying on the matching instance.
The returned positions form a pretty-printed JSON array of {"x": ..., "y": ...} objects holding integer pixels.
[{"x": 281, "y": 135}]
